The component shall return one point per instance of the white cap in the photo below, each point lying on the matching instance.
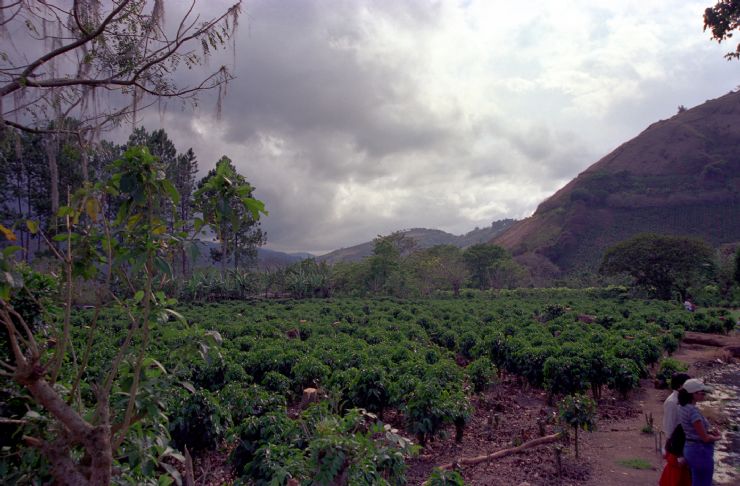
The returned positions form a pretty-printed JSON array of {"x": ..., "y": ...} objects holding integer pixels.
[{"x": 693, "y": 385}]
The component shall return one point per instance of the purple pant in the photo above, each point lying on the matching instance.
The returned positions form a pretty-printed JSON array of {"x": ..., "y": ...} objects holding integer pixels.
[{"x": 700, "y": 458}]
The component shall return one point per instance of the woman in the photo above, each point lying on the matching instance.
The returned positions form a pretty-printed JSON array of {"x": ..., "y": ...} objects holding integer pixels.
[
  {"x": 699, "y": 448},
  {"x": 675, "y": 472}
]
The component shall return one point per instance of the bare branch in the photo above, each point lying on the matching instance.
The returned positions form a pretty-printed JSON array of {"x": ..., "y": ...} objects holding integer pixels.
[{"x": 17, "y": 84}]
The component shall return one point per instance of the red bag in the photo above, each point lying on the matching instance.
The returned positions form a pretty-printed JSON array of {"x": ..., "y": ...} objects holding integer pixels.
[{"x": 675, "y": 473}]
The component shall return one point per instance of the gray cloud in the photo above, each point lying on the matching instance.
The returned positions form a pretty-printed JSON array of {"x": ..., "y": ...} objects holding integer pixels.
[{"x": 359, "y": 118}]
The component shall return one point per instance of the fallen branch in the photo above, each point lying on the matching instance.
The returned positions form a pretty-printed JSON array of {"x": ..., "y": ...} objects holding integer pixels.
[
  {"x": 13, "y": 421},
  {"x": 504, "y": 452}
]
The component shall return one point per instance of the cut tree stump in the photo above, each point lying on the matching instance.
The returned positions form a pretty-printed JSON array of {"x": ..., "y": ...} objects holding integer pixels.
[{"x": 468, "y": 461}]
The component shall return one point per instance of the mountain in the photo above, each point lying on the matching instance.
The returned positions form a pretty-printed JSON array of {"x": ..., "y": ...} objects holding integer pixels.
[
  {"x": 266, "y": 259},
  {"x": 680, "y": 176},
  {"x": 425, "y": 238}
]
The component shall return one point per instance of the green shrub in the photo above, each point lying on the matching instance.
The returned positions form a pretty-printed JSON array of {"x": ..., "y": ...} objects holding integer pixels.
[
  {"x": 668, "y": 367},
  {"x": 578, "y": 412},
  {"x": 481, "y": 373},
  {"x": 277, "y": 382},
  {"x": 309, "y": 372},
  {"x": 624, "y": 375},
  {"x": 198, "y": 422},
  {"x": 443, "y": 477},
  {"x": 566, "y": 374},
  {"x": 255, "y": 438},
  {"x": 247, "y": 401},
  {"x": 369, "y": 390}
]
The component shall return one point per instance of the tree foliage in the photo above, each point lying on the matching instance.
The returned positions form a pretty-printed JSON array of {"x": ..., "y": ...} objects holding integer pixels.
[
  {"x": 224, "y": 199},
  {"x": 660, "y": 264},
  {"x": 106, "y": 411},
  {"x": 722, "y": 20},
  {"x": 76, "y": 68},
  {"x": 482, "y": 260}
]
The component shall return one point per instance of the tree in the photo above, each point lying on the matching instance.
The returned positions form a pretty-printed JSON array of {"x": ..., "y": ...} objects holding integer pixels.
[
  {"x": 481, "y": 260},
  {"x": 385, "y": 273},
  {"x": 24, "y": 175},
  {"x": 721, "y": 20},
  {"x": 578, "y": 412},
  {"x": 439, "y": 267},
  {"x": 180, "y": 169},
  {"x": 92, "y": 425},
  {"x": 660, "y": 264},
  {"x": 224, "y": 198},
  {"x": 101, "y": 62}
]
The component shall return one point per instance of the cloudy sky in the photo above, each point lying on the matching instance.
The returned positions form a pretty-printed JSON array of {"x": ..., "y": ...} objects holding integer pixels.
[{"x": 358, "y": 118}]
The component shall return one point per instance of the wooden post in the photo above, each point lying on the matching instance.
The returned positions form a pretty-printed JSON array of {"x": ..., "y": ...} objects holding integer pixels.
[{"x": 558, "y": 461}]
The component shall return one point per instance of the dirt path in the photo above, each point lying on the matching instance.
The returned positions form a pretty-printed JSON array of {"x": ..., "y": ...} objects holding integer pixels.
[
  {"x": 608, "y": 448},
  {"x": 606, "y": 454}
]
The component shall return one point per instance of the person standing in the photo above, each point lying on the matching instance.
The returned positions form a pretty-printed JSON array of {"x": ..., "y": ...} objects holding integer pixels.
[
  {"x": 675, "y": 472},
  {"x": 699, "y": 448}
]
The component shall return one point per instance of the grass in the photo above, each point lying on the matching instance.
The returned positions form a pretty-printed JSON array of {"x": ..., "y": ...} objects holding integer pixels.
[{"x": 635, "y": 463}]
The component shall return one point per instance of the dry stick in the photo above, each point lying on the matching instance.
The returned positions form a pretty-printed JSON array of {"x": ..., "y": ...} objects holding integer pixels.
[
  {"x": 141, "y": 355},
  {"x": 63, "y": 337},
  {"x": 189, "y": 479},
  {"x": 504, "y": 452}
]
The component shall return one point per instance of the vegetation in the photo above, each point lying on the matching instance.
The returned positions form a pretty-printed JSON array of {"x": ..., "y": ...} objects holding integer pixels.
[
  {"x": 578, "y": 412},
  {"x": 365, "y": 354},
  {"x": 661, "y": 264},
  {"x": 722, "y": 20},
  {"x": 224, "y": 199},
  {"x": 635, "y": 463},
  {"x": 122, "y": 390},
  {"x": 68, "y": 57}
]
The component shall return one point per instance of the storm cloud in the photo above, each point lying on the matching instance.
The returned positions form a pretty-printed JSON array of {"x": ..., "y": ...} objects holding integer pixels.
[{"x": 358, "y": 118}]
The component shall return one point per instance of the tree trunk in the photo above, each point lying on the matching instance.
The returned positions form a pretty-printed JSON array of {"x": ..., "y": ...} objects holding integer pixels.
[
  {"x": 576, "y": 442},
  {"x": 51, "y": 155}
]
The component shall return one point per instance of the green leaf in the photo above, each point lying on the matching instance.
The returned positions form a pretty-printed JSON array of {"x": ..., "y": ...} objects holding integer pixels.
[
  {"x": 5, "y": 292},
  {"x": 133, "y": 220},
  {"x": 174, "y": 195},
  {"x": 65, "y": 211},
  {"x": 138, "y": 296},
  {"x": 153, "y": 368},
  {"x": 33, "y": 226},
  {"x": 177, "y": 316},
  {"x": 9, "y": 251},
  {"x": 92, "y": 208},
  {"x": 127, "y": 183},
  {"x": 163, "y": 266}
]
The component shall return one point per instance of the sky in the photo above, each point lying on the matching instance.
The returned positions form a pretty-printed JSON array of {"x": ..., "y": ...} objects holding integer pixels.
[{"x": 354, "y": 119}]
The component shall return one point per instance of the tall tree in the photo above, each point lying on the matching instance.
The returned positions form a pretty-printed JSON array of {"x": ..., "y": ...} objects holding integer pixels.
[
  {"x": 384, "y": 270},
  {"x": 441, "y": 267},
  {"x": 482, "y": 260},
  {"x": 722, "y": 20},
  {"x": 224, "y": 198},
  {"x": 180, "y": 169},
  {"x": 100, "y": 62},
  {"x": 661, "y": 264}
]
